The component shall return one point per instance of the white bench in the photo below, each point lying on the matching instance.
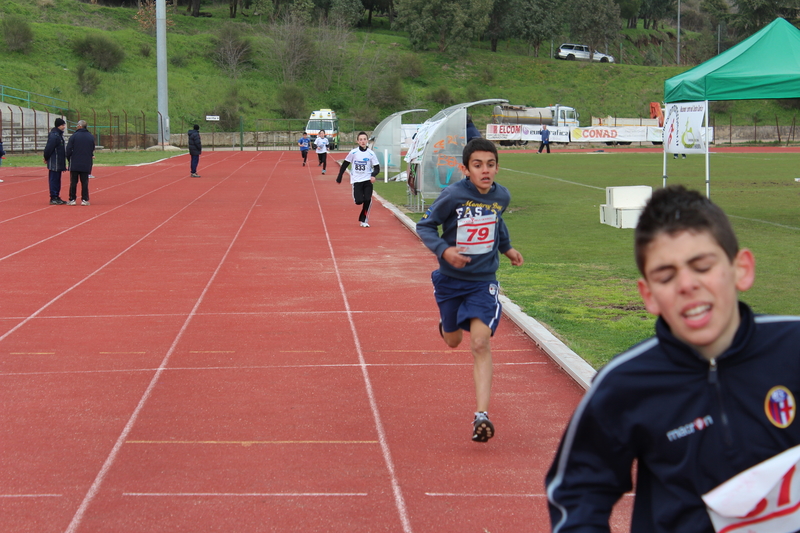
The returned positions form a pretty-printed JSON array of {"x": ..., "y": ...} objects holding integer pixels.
[{"x": 624, "y": 205}]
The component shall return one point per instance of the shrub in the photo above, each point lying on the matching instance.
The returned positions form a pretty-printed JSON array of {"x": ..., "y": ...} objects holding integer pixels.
[
  {"x": 233, "y": 50},
  {"x": 178, "y": 60},
  {"x": 789, "y": 103},
  {"x": 145, "y": 49},
  {"x": 100, "y": 51},
  {"x": 88, "y": 79},
  {"x": 229, "y": 111},
  {"x": 17, "y": 33},
  {"x": 291, "y": 101},
  {"x": 442, "y": 95},
  {"x": 388, "y": 91},
  {"x": 410, "y": 66}
]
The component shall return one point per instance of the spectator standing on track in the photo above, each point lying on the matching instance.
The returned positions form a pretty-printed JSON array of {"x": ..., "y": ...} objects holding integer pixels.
[
  {"x": 365, "y": 169},
  {"x": 80, "y": 154},
  {"x": 304, "y": 143},
  {"x": 56, "y": 160},
  {"x": 545, "y": 139},
  {"x": 322, "y": 150},
  {"x": 195, "y": 149},
  {"x": 711, "y": 395},
  {"x": 465, "y": 285}
]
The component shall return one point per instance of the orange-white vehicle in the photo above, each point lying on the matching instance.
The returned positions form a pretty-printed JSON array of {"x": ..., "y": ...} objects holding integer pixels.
[{"x": 324, "y": 119}]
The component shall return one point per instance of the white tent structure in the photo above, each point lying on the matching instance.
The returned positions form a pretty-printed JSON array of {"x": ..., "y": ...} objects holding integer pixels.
[
  {"x": 387, "y": 140},
  {"x": 435, "y": 154}
]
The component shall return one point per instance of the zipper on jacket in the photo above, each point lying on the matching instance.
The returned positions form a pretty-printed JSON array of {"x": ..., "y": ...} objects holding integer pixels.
[{"x": 713, "y": 379}]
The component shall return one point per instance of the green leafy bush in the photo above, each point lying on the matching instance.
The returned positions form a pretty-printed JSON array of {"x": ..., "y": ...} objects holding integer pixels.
[
  {"x": 17, "y": 34},
  {"x": 442, "y": 95},
  {"x": 88, "y": 79},
  {"x": 291, "y": 101},
  {"x": 99, "y": 50}
]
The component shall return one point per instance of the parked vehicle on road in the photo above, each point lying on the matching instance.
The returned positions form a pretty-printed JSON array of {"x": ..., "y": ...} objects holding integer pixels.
[{"x": 582, "y": 52}]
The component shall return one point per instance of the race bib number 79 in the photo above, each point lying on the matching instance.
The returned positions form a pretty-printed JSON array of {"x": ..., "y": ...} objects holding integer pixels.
[{"x": 476, "y": 235}]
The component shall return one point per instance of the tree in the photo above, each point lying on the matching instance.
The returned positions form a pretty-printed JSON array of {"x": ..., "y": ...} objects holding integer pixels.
[
  {"x": 194, "y": 8},
  {"x": 232, "y": 50},
  {"x": 651, "y": 11},
  {"x": 595, "y": 21},
  {"x": 534, "y": 21},
  {"x": 292, "y": 47},
  {"x": 449, "y": 23},
  {"x": 629, "y": 10},
  {"x": 497, "y": 28},
  {"x": 331, "y": 39},
  {"x": 348, "y": 12},
  {"x": 752, "y": 15}
]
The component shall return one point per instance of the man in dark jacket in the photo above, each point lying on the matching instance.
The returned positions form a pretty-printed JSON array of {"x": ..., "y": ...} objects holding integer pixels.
[
  {"x": 195, "y": 148},
  {"x": 80, "y": 153},
  {"x": 55, "y": 159}
]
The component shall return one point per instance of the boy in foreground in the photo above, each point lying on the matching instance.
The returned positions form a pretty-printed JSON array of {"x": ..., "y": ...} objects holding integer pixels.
[
  {"x": 465, "y": 285},
  {"x": 710, "y": 396},
  {"x": 362, "y": 176}
]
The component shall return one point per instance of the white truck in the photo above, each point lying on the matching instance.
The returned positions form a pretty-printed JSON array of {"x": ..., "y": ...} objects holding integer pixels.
[
  {"x": 324, "y": 119},
  {"x": 517, "y": 124}
]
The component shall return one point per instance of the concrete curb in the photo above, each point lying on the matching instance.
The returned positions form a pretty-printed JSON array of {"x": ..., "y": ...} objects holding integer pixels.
[{"x": 568, "y": 360}]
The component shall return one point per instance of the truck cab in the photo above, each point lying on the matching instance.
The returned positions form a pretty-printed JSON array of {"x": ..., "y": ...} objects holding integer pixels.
[{"x": 324, "y": 119}]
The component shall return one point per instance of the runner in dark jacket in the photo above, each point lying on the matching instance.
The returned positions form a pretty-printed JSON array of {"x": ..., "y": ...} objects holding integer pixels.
[{"x": 710, "y": 396}]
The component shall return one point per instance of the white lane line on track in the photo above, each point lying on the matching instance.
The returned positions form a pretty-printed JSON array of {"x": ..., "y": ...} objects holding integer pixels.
[
  {"x": 31, "y": 495},
  {"x": 98, "y": 481},
  {"x": 373, "y": 404},
  {"x": 506, "y": 169},
  {"x": 273, "y": 367},
  {"x": 244, "y": 494},
  {"x": 499, "y": 495}
]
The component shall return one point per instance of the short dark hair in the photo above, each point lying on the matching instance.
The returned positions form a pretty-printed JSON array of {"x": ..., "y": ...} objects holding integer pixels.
[
  {"x": 675, "y": 209},
  {"x": 196, "y": 127},
  {"x": 479, "y": 144},
  {"x": 360, "y": 133}
]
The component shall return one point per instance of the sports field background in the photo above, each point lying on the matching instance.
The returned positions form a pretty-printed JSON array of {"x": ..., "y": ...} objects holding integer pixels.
[{"x": 579, "y": 276}]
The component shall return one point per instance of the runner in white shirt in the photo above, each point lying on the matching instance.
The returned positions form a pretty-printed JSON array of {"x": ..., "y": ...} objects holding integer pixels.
[
  {"x": 362, "y": 175},
  {"x": 322, "y": 150}
]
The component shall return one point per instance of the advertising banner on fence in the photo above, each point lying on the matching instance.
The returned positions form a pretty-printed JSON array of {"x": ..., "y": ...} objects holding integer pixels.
[
  {"x": 524, "y": 132},
  {"x": 683, "y": 128},
  {"x": 617, "y": 134}
]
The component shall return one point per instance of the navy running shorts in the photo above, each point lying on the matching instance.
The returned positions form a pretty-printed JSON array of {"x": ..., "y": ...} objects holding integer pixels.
[{"x": 460, "y": 301}]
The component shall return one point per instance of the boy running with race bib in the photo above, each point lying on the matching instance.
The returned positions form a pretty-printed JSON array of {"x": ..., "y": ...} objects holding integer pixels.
[
  {"x": 362, "y": 175},
  {"x": 465, "y": 285}
]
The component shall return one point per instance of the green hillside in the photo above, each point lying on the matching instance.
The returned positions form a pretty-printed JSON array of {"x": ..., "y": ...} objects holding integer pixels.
[{"x": 379, "y": 74}]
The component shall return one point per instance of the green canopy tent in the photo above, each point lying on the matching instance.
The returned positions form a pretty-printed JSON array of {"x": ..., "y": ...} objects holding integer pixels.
[{"x": 766, "y": 65}]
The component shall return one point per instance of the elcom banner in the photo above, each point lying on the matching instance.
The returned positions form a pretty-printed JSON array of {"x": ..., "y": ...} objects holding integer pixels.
[{"x": 525, "y": 132}]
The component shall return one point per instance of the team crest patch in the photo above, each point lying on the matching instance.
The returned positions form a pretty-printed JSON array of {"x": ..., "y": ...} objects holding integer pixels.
[
  {"x": 493, "y": 289},
  {"x": 780, "y": 406}
]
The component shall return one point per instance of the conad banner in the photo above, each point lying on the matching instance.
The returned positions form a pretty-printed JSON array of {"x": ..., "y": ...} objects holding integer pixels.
[
  {"x": 683, "y": 128},
  {"x": 600, "y": 134},
  {"x": 525, "y": 132}
]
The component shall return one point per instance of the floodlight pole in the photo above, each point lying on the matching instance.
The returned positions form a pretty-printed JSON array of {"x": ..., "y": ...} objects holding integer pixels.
[
  {"x": 161, "y": 67},
  {"x": 679, "y": 32}
]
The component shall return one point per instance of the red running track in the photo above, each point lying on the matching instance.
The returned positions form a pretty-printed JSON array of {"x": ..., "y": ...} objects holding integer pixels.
[{"x": 235, "y": 353}]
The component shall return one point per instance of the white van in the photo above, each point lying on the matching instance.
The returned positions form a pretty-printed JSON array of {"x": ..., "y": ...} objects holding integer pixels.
[{"x": 324, "y": 119}]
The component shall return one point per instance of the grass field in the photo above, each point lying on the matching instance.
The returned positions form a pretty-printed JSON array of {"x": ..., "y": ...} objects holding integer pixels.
[{"x": 579, "y": 276}]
